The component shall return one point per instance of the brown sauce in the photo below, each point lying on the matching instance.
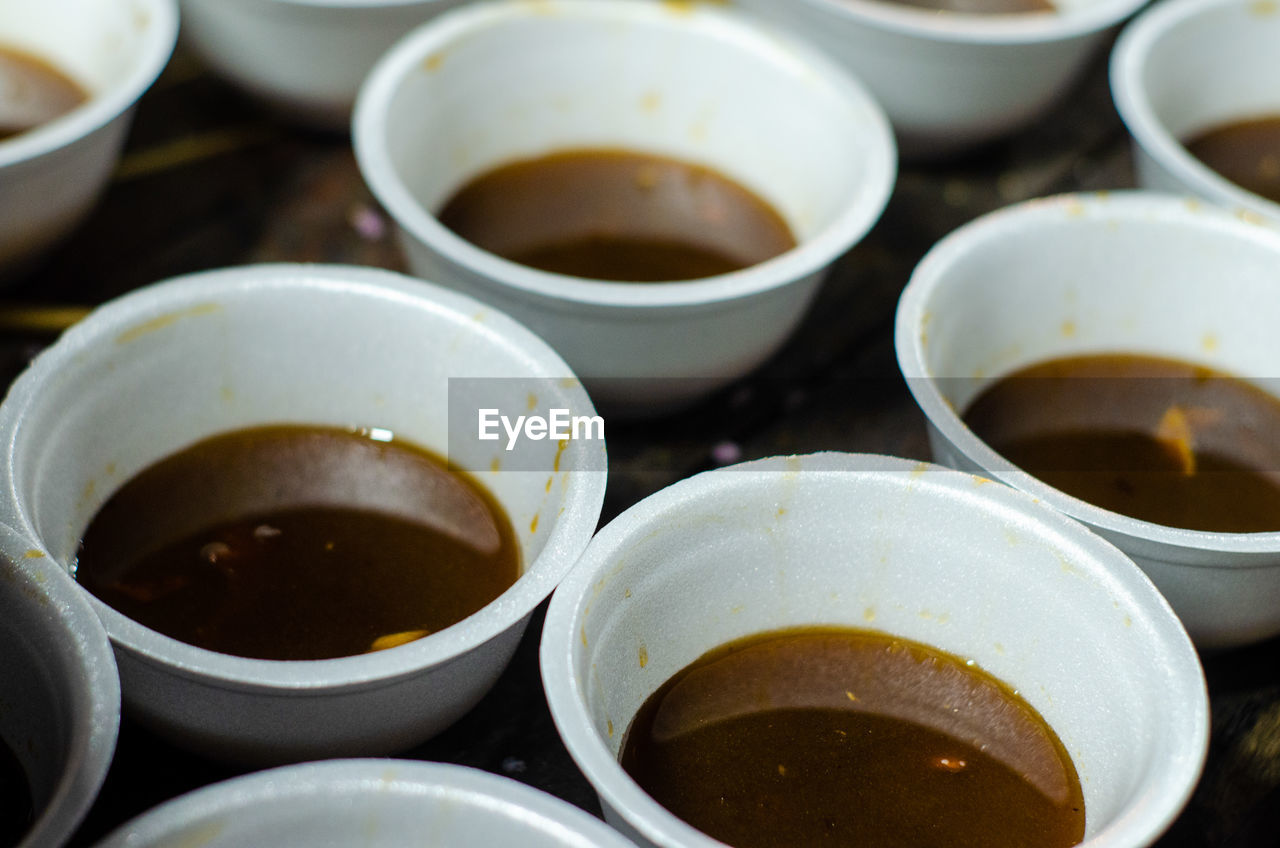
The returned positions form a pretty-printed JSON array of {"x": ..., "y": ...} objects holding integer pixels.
[
  {"x": 980, "y": 7},
  {"x": 1245, "y": 152},
  {"x": 617, "y": 215},
  {"x": 844, "y": 737},
  {"x": 16, "y": 813},
  {"x": 32, "y": 92},
  {"x": 299, "y": 543},
  {"x": 1157, "y": 439}
]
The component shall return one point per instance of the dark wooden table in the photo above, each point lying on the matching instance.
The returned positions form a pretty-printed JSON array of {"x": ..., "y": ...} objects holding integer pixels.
[{"x": 210, "y": 181}]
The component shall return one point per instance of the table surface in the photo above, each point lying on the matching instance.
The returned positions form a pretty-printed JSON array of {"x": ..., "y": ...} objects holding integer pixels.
[{"x": 208, "y": 180}]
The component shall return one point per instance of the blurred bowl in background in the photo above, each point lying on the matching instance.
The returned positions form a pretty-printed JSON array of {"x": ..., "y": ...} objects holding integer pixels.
[
  {"x": 51, "y": 174},
  {"x": 950, "y": 81},
  {"x": 304, "y": 58},
  {"x": 1184, "y": 67},
  {"x": 170, "y": 364}
]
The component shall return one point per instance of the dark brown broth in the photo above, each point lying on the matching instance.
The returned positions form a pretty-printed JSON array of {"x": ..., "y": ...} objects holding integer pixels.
[
  {"x": 1157, "y": 439},
  {"x": 1245, "y": 152},
  {"x": 617, "y": 215},
  {"x": 16, "y": 813},
  {"x": 299, "y": 543},
  {"x": 32, "y": 92},
  {"x": 844, "y": 737}
]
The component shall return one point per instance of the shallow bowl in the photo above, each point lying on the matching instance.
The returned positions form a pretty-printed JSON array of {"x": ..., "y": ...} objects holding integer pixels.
[
  {"x": 907, "y": 548},
  {"x": 496, "y": 82},
  {"x": 1125, "y": 272},
  {"x": 51, "y": 175},
  {"x": 371, "y": 803},
  {"x": 172, "y": 363}
]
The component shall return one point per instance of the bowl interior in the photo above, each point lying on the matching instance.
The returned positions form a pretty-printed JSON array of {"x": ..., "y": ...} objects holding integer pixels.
[
  {"x": 334, "y": 346},
  {"x": 483, "y": 88},
  {"x": 909, "y": 549}
]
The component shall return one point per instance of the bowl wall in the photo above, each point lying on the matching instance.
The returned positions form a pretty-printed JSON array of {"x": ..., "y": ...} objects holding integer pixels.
[{"x": 949, "y": 82}]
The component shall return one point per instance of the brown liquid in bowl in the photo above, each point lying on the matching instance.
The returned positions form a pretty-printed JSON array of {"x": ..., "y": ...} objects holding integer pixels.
[
  {"x": 299, "y": 543},
  {"x": 1157, "y": 439},
  {"x": 33, "y": 92},
  {"x": 1245, "y": 152},
  {"x": 844, "y": 737},
  {"x": 617, "y": 215}
]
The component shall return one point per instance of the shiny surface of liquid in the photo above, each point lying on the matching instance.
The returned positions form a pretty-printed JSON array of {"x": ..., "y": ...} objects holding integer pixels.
[
  {"x": 299, "y": 543},
  {"x": 1157, "y": 439},
  {"x": 617, "y": 215},
  {"x": 16, "y": 812},
  {"x": 980, "y": 7},
  {"x": 32, "y": 92},
  {"x": 1245, "y": 152},
  {"x": 845, "y": 737}
]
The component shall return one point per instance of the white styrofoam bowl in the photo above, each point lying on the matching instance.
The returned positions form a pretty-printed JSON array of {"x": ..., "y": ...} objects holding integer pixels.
[
  {"x": 1130, "y": 272},
  {"x": 911, "y": 549},
  {"x": 951, "y": 81},
  {"x": 493, "y": 82},
  {"x": 51, "y": 175},
  {"x": 369, "y": 803},
  {"x": 1185, "y": 66},
  {"x": 304, "y": 58},
  {"x": 60, "y": 696},
  {"x": 167, "y": 365}
]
